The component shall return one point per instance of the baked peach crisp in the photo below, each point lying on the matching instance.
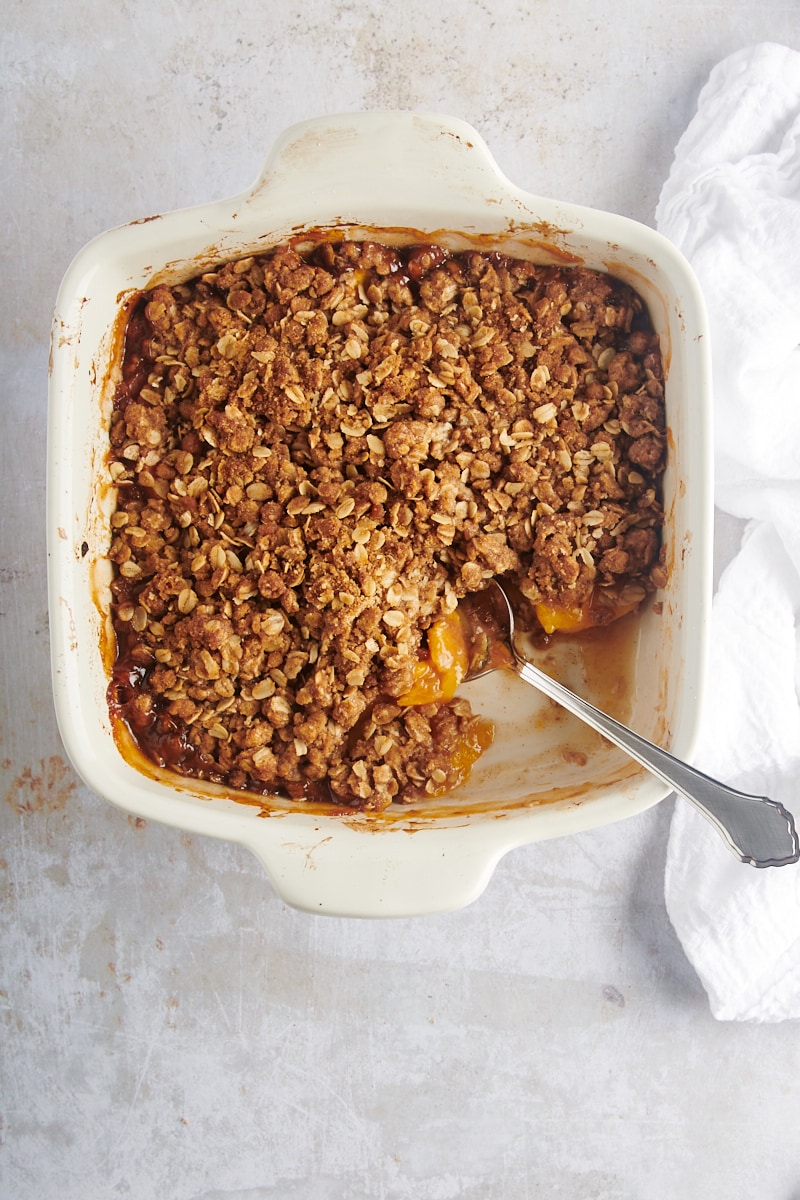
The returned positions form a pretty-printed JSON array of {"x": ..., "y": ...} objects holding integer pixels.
[{"x": 317, "y": 453}]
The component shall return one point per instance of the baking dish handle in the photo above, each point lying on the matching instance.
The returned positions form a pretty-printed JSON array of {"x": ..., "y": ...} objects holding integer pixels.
[
  {"x": 416, "y": 160},
  {"x": 357, "y": 866}
]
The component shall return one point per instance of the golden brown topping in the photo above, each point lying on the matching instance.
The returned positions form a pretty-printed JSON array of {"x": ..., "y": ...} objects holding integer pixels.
[{"x": 316, "y": 455}]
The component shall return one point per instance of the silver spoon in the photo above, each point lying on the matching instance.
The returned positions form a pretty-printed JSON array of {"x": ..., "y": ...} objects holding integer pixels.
[{"x": 758, "y": 830}]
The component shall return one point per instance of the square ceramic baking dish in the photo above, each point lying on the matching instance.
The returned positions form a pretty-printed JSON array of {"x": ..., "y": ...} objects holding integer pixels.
[{"x": 399, "y": 177}]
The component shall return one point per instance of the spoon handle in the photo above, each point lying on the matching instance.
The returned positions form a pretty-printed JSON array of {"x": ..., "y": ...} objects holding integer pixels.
[{"x": 758, "y": 830}]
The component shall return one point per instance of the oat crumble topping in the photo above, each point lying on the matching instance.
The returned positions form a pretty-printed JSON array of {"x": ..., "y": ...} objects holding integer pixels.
[{"x": 317, "y": 454}]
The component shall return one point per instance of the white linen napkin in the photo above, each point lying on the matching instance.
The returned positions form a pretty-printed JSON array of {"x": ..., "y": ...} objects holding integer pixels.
[{"x": 732, "y": 205}]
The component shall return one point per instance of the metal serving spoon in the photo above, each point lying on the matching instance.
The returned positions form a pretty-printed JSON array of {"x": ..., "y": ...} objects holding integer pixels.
[{"x": 758, "y": 830}]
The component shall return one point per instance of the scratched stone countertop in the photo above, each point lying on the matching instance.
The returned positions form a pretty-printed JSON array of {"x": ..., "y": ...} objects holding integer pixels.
[{"x": 170, "y": 1029}]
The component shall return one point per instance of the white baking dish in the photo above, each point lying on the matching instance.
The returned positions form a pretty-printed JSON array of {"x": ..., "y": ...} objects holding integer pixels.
[{"x": 412, "y": 177}]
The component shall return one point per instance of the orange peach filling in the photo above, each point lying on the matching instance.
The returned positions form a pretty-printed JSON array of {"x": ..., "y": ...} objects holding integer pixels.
[
  {"x": 438, "y": 675},
  {"x": 476, "y": 738},
  {"x": 597, "y": 609}
]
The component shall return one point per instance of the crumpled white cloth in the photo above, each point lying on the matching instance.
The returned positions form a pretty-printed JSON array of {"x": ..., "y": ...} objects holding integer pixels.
[{"x": 732, "y": 205}]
